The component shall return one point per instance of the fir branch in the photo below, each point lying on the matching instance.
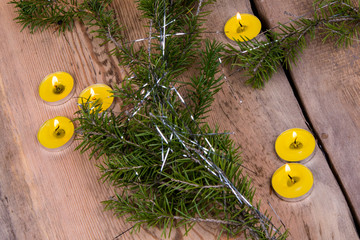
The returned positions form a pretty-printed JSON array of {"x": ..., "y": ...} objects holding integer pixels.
[
  {"x": 127, "y": 168},
  {"x": 206, "y": 85},
  {"x": 207, "y": 220},
  {"x": 337, "y": 20},
  {"x": 169, "y": 168},
  {"x": 196, "y": 185}
]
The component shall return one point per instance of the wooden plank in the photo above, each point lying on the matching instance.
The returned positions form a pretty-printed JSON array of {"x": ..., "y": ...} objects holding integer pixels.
[
  {"x": 327, "y": 79},
  {"x": 58, "y": 191},
  {"x": 12, "y": 179},
  {"x": 257, "y": 117},
  {"x": 46, "y": 195},
  {"x": 56, "y": 195}
]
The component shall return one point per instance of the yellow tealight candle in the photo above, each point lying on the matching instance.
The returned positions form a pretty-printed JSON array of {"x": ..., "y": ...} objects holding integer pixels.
[
  {"x": 56, "y": 133},
  {"x": 295, "y": 145},
  {"x": 97, "y": 94},
  {"x": 56, "y": 88},
  {"x": 242, "y": 27},
  {"x": 292, "y": 182}
]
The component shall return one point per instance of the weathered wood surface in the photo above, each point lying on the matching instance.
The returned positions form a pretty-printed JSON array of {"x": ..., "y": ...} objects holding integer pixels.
[
  {"x": 47, "y": 195},
  {"x": 257, "y": 117},
  {"x": 328, "y": 82}
]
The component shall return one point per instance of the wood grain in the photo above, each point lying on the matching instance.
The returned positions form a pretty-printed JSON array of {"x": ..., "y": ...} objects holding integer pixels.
[
  {"x": 45, "y": 195},
  {"x": 257, "y": 117},
  {"x": 328, "y": 81}
]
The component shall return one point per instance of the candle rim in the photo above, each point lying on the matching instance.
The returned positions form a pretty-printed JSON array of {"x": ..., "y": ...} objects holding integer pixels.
[
  {"x": 107, "y": 102},
  {"x": 56, "y": 99},
  {"x": 290, "y": 197},
  {"x": 244, "y": 18},
  {"x": 304, "y": 154},
  {"x": 55, "y": 143}
]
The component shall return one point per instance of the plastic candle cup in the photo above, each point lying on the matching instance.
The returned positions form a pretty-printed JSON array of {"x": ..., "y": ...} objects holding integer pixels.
[
  {"x": 57, "y": 88},
  {"x": 292, "y": 182},
  {"x": 97, "y": 94},
  {"x": 295, "y": 145},
  {"x": 242, "y": 27},
  {"x": 56, "y": 134}
]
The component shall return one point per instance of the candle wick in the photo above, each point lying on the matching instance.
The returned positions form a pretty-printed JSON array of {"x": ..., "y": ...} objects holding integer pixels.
[
  {"x": 59, "y": 132},
  {"x": 291, "y": 178},
  {"x": 296, "y": 144},
  {"x": 240, "y": 24},
  {"x": 58, "y": 88}
]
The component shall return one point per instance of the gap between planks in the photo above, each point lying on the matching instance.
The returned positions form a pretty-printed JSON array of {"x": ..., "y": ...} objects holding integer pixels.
[{"x": 308, "y": 122}]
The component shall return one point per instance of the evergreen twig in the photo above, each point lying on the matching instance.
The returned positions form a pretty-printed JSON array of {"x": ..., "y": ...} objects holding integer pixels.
[
  {"x": 170, "y": 169},
  {"x": 338, "y": 20}
]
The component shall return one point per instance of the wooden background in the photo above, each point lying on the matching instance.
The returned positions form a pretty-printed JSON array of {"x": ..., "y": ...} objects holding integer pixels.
[{"x": 46, "y": 195}]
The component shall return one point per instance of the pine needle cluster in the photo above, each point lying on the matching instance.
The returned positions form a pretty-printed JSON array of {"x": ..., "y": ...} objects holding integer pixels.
[
  {"x": 335, "y": 20},
  {"x": 168, "y": 166}
]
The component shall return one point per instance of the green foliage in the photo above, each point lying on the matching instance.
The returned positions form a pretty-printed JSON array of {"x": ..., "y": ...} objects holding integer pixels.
[
  {"x": 61, "y": 14},
  {"x": 206, "y": 85},
  {"x": 338, "y": 20},
  {"x": 182, "y": 191},
  {"x": 168, "y": 166}
]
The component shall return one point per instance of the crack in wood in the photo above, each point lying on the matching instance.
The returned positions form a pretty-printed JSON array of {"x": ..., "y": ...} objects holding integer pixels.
[{"x": 308, "y": 122}]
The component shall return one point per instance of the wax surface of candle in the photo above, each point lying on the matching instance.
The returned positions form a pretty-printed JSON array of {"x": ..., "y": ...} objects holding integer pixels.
[
  {"x": 56, "y": 132},
  {"x": 287, "y": 189},
  {"x": 99, "y": 93},
  {"x": 250, "y": 28},
  {"x": 289, "y": 151},
  {"x": 56, "y": 87}
]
